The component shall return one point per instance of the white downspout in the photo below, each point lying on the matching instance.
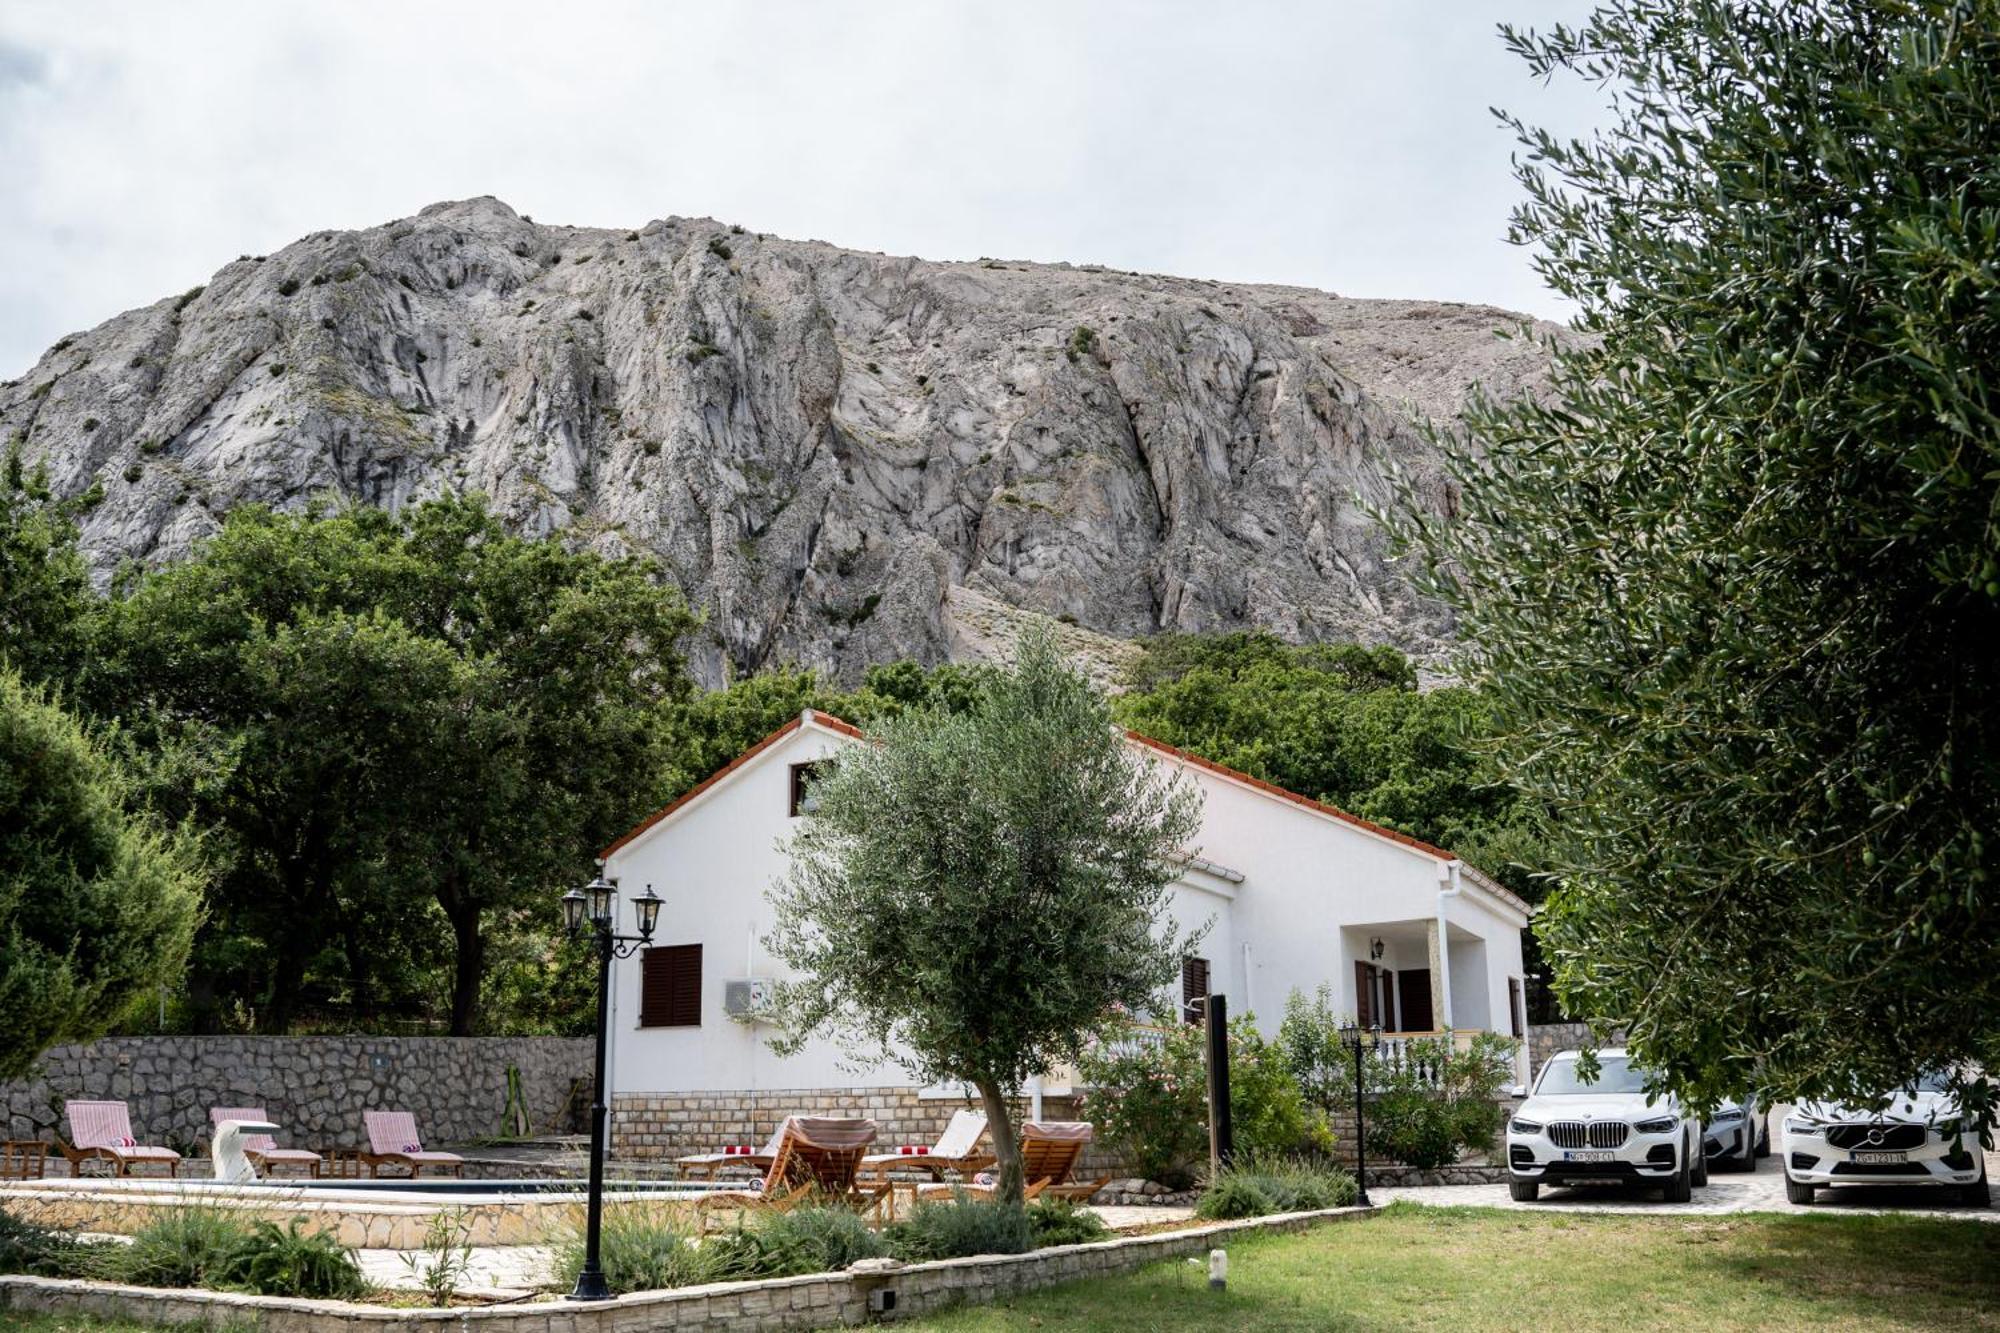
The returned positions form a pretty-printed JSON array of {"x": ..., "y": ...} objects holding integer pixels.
[{"x": 1447, "y": 874}]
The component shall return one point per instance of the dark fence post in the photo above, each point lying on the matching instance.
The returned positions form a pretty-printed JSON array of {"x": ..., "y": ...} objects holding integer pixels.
[{"x": 1221, "y": 1134}]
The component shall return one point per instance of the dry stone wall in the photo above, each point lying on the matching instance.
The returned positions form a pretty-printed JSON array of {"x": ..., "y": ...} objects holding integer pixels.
[{"x": 316, "y": 1087}]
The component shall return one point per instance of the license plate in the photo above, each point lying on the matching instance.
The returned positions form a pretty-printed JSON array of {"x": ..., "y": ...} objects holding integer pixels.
[
  {"x": 1593, "y": 1156},
  {"x": 1881, "y": 1158}
]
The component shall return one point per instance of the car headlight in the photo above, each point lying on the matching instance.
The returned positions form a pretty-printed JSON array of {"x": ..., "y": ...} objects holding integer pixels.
[
  {"x": 1794, "y": 1125},
  {"x": 1729, "y": 1117},
  {"x": 1524, "y": 1127},
  {"x": 1657, "y": 1125}
]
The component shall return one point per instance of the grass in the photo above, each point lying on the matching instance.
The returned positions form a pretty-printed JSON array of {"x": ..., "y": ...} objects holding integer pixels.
[{"x": 1464, "y": 1268}]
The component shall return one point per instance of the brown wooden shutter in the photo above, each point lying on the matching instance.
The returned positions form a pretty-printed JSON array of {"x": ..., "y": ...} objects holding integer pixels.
[
  {"x": 1364, "y": 994},
  {"x": 670, "y": 987},
  {"x": 1194, "y": 989},
  {"x": 1514, "y": 1005}
]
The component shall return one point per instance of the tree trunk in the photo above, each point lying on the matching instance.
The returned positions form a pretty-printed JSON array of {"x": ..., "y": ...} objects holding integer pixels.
[
  {"x": 469, "y": 966},
  {"x": 1006, "y": 1145}
]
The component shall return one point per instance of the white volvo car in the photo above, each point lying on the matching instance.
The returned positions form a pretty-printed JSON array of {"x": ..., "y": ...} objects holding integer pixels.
[
  {"x": 1915, "y": 1140},
  {"x": 1609, "y": 1130}
]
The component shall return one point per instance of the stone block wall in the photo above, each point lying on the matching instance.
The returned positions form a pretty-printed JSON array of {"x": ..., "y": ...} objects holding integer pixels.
[
  {"x": 1546, "y": 1039},
  {"x": 657, "y": 1125},
  {"x": 315, "y": 1087}
]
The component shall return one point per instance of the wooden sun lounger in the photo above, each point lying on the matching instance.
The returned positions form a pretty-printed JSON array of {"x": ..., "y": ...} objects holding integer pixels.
[
  {"x": 957, "y": 1150},
  {"x": 816, "y": 1161},
  {"x": 393, "y": 1141},
  {"x": 1050, "y": 1151},
  {"x": 102, "y": 1132}
]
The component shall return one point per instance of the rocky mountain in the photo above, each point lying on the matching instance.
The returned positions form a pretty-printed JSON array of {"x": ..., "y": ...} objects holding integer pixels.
[{"x": 843, "y": 457}]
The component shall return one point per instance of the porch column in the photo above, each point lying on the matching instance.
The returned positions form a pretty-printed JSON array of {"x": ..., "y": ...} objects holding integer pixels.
[{"x": 1439, "y": 962}]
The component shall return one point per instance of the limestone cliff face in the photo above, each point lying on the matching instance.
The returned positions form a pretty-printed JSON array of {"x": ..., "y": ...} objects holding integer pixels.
[{"x": 833, "y": 453}]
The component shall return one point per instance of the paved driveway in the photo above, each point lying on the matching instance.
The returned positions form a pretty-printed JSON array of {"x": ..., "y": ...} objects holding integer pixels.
[{"x": 1728, "y": 1192}]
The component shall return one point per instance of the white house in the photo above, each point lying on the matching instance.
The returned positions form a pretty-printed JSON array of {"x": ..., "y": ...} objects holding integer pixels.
[{"x": 1296, "y": 894}]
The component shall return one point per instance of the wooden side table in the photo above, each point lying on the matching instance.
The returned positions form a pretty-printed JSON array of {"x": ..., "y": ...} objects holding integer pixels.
[{"x": 23, "y": 1159}]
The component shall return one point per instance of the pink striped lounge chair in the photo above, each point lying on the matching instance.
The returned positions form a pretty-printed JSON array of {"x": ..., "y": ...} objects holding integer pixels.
[
  {"x": 102, "y": 1132},
  {"x": 393, "y": 1141},
  {"x": 261, "y": 1149}
]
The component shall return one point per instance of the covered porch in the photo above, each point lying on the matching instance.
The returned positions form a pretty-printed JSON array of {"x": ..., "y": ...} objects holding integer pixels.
[{"x": 1426, "y": 978}]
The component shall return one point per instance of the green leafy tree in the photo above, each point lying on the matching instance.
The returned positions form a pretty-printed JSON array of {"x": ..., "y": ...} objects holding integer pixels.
[
  {"x": 975, "y": 892},
  {"x": 97, "y": 904},
  {"x": 392, "y": 723},
  {"x": 44, "y": 590},
  {"x": 1732, "y": 586}
]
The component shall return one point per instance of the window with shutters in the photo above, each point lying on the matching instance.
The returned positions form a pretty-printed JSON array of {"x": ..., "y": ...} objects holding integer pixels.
[
  {"x": 670, "y": 987},
  {"x": 802, "y": 795},
  {"x": 1194, "y": 989}
]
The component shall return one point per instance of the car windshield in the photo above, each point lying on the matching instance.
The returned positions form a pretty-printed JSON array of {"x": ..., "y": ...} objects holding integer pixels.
[
  {"x": 1615, "y": 1074},
  {"x": 1935, "y": 1081}
]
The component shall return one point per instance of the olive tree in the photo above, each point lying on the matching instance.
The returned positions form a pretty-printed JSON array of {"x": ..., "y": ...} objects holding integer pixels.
[
  {"x": 1733, "y": 584},
  {"x": 976, "y": 892}
]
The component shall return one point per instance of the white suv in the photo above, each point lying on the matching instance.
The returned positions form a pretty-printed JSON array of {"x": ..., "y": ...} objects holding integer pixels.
[
  {"x": 1569, "y": 1130},
  {"x": 1916, "y": 1140}
]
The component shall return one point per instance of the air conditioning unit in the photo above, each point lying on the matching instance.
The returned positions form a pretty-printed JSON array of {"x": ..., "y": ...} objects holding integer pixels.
[{"x": 747, "y": 999}]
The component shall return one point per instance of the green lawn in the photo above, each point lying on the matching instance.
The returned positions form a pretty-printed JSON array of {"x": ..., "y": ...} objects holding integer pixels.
[{"x": 1465, "y": 1268}]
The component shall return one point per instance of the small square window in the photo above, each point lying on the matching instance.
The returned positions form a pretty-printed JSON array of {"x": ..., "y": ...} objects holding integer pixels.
[{"x": 803, "y": 777}]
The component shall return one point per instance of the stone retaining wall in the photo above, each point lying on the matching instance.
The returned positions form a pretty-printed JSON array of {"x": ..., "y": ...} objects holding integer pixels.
[
  {"x": 820, "y": 1300},
  {"x": 316, "y": 1087}
]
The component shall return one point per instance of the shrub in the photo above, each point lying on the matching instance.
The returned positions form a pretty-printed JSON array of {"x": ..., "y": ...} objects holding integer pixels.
[
  {"x": 28, "y": 1247},
  {"x": 645, "y": 1248},
  {"x": 1258, "y": 1183},
  {"x": 1232, "y": 1197},
  {"x": 719, "y": 248},
  {"x": 133, "y": 473},
  {"x": 289, "y": 287},
  {"x": 1431, "y": 1104},
  {"x": 1064, "y": 1222},
  {"x": 189, "y": 1246},
  {"x": 812, "y": 1240},
  {"x": 290, "y": 1261},
  {"x": 959, "y": 1228},
  {"x": 1151, "y": 1099}
]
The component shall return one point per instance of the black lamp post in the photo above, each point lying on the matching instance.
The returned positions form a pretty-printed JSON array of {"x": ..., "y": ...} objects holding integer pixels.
[
  {"x": 1360, "y": 1040},
  {"x": 590, "y": 908}
]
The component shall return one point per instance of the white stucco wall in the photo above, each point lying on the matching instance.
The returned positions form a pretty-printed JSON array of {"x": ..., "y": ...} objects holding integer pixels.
[{"x": 1313, "y": 891}]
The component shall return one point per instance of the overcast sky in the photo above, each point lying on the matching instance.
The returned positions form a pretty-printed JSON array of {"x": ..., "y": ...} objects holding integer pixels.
[{"x": 1343, "y": 144}]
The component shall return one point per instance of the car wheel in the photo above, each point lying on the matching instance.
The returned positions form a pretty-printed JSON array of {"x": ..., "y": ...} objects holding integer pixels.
[
  {"x": 1698, "y": 1178},
  {"x": 1524, "y": 1191},
  {"x": 1976, "y": 1195},
  {"x": 1681, "y": 1188},
  {"x": 1797, "y": 1192}
]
